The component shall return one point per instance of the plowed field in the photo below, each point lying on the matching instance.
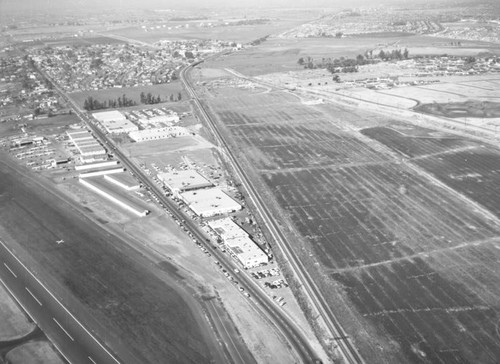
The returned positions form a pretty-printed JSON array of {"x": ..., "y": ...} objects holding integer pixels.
[{"x": 408, "y": 263}]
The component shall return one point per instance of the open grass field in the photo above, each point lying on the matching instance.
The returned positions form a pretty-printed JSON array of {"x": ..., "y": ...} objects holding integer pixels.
[
  {"x": 409, "y": 266},
  {"x": 14, "y": 322},
  {"x": 281, "y": 55},
  {"x": 240, "y": 34},
  {"x": 36, "y": 352},
  {"x": 144, "y": 313}
]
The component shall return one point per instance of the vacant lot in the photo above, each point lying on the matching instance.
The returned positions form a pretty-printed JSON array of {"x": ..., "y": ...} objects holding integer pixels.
[
  {"x": 475, "y": 109},
  {"x": 414, "y": 263}
]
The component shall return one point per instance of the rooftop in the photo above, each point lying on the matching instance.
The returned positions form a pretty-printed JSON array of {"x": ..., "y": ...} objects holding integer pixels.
[
  {"x": 184, "y": 180},
  {"x": 209, "y": 202}
]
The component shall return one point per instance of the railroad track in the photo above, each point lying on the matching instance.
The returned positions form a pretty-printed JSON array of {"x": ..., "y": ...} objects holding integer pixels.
[
  {"x": 262, "y": 303},
  {"x": 344, "y": 342}
]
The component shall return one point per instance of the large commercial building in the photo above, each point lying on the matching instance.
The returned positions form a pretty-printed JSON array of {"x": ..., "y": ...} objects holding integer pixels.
[
  {"x": 184, "y": 180},
  {"x": 159, "y": 133},
  {"x": 89, "y": 148},
  {"x": 209, "y": 202},
  {"x": 115, "y": 122},
  {"x": 239, "y": 243}
]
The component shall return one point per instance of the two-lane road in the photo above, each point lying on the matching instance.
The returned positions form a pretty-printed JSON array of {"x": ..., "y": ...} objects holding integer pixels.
[{"x": 73, "y": 340}]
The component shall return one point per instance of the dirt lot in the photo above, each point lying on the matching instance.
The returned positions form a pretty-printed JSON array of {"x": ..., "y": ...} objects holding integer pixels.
[{"x": 408, "y": 263}]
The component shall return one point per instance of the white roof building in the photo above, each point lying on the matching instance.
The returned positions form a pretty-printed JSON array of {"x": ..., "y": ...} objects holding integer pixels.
[
  {"x": 89, "y": 148},
  {"x": 115, "y": 122},
  {"x": 209, "y": 202},
  {"x": 239, "y": 243},
  {"x": 184, "y": 180},
  {"x": 159, "y": 133}
]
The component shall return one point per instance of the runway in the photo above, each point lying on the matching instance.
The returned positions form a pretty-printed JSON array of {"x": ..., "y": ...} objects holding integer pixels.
[
  {"x": 73, "y": 340},
  {"x": 98, "y": 277}
]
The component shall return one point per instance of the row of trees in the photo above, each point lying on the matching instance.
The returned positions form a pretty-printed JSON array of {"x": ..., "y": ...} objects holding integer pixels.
[
  {"x": 346, "y": 65},
  {"x": 92, "y": 104},
  {"x": 149, "y": 99}
]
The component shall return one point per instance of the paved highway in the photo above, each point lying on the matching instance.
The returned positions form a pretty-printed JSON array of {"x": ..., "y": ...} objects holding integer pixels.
[
  {"x": 73, "y": 340},
  {"x": 261, "y": 301},
  {"x": 349, "y": 351}
]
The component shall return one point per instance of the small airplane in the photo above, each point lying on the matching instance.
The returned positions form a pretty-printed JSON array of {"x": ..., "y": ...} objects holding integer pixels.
[{"x": 59, "y": 241}]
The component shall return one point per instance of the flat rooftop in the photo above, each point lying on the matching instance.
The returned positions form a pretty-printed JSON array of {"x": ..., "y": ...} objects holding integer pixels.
[
  {"x": 112, "y": 115},
  {"x": 209, "y": 202},
  {"x": 227, "y": 228},
  {"x": 124, "y": 178},
  {"x": 184, "y": 180}
]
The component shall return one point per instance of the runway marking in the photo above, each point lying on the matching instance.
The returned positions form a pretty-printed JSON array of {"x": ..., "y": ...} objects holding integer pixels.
[
  {"x": 32, "y": 295},
  {"x": 63, "y": 329},
  {"x": 59, "y": 302},
  {"x": 92, "y": 360},
  {"x": 10, "y": 270}
]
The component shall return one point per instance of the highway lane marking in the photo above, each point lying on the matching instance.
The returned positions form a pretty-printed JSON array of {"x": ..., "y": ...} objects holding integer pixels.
[
  {"x": 92, "y": 360},
  {"x": 59, "y": 302},
  {"x": 32, "y": 295},
  {"x": 10, "y": 270},
  {"x": 63, "y": 329}
]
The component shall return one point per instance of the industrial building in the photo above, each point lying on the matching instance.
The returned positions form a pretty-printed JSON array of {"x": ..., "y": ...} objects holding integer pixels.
[
  {"x": 184, "y": 180},
  {"x": 159, "y": 133},
  {"x": 209, "y": 202},
  {"x": 89, "y": 148},
  {"x": 123, "y": 180},
  {"x": 239, "y": 243},
  {"x": 115, "y": 122},
  {"x": 98, "y": 165},
  {"x": 115, "y": 198},
  {"x": 102, "y": 172}
]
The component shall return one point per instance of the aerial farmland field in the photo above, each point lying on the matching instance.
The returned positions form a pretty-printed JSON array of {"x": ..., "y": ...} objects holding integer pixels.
[
  {"x": 469, "y": 167},
  {"x": 407, "y": 260}
]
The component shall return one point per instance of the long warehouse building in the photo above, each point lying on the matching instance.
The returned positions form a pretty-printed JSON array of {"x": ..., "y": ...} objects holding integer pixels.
[{"x": 89, "y": 148}]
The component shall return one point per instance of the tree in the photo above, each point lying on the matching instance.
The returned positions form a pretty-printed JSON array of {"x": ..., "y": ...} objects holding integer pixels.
[
  {"x": 301, "y": 61},
  {"x": 406, "y": 53},
  {"x": 179, "y": 97},
  {"x": 336, "y": 78},
  {"x": 171, "y": 97},
  {"x": 339, "y": 35},
  {"x": 382, "y": 55}
]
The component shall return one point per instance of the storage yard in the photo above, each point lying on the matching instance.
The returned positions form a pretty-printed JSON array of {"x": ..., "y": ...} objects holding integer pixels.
[{"x": 393, "y": 229}]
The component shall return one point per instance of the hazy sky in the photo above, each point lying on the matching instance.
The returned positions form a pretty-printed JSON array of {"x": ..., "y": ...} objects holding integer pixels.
[{"x": 165, "y": 4}]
